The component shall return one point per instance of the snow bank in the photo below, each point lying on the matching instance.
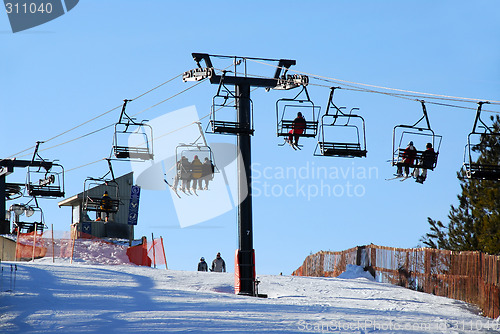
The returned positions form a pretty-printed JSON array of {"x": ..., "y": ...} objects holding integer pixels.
[{"x": 353, "y": 272}]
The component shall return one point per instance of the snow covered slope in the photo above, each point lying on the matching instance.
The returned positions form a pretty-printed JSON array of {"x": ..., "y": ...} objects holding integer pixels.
[{"x": 79, "y": 298}]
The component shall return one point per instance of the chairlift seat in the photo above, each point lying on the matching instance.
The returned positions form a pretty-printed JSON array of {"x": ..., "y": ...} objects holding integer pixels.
[
  {"x": 27, "y": 227},
  {"x": 227, "y": 127},
  {"x": 482, "y": 172},
  {"x": 310, "y": 129},
  {"x": 95, "y": 203},
  {"x": 45, "y": 191},
  {"x": 125, "y": 152},
  {"x": 341, "y": 149},
  {"x": 419, "y": 156}
]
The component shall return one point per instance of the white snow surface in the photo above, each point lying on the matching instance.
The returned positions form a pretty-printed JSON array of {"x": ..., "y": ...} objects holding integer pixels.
[{"x": 84, "y": 298}]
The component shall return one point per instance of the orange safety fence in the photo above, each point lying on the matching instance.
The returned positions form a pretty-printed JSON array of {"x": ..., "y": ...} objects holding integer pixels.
[
  {"x": 82, "y": 247},
  {"x": 156, "y": 252},
  {"x": 473, "y": 277}
]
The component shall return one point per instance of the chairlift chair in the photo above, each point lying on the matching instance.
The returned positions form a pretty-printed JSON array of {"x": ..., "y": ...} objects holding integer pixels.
[
  {"x": 478, "y": 168},
  {"x": 35, "y": 213},
  {"x": 189, "y": 151},
  {"x": 46, "y": 181},
  {"x": 420, "y": 136},
  {"x": 95, "y": 188},
  {"x": 223, "y": 115},
  {"x": 341, "y": 135},
  {"x": 286, "y": 111},
  {"x": 132, "y": 140}
]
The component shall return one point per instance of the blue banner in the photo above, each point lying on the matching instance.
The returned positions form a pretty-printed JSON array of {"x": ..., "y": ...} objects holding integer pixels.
[
  {"x": 87, "y": 227},
  {"x": 133, "y": 208}
]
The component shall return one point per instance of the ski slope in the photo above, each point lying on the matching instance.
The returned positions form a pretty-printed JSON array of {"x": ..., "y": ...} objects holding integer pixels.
[{"x": 82, "y": 298}]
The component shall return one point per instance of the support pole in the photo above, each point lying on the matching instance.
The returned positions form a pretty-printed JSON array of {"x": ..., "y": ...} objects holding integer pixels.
[
  {"x": 34, "y": 243},
  {"x": 73, "y": 239},
  {"x": 4, "y": 224},
  {"x": 246, "y": 264},
  {"x": 153, "y": 245},
  {"x": 245, "y": 259},
  {"x": 17, "y": 241},
  {"x": 164, "y": 256},
  {"x": 53, "y": 251}
]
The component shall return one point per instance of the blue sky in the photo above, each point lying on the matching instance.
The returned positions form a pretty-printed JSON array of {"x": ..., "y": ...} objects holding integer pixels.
[{"x": 67, "y": 71}]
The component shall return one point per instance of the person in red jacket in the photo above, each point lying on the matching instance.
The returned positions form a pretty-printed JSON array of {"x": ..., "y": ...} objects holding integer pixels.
[
  {"x": 409, "y": 155},
  {"x": 299, "y": 125}
]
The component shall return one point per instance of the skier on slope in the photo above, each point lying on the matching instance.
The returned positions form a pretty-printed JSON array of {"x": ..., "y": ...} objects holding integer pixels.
[
  {"x": 218, "y": 264},
  {"x": 202, "y": 265}
]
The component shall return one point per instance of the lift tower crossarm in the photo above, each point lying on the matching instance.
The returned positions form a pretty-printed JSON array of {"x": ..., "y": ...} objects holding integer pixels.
[{"x": 252, "y": 81}]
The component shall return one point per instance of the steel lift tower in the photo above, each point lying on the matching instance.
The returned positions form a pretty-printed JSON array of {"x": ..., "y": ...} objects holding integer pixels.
[{"x": 245, "y": 263}]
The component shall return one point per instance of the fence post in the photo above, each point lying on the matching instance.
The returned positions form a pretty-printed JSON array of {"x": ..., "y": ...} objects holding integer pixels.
[
  {"x": 427, "y": 271},
  {"x": 359, "y": 251},
  {"x": 34, "y": 244},
  {"x": 164, "y": 256},
  {"x": 154, "y": 254},
  {"x": 322, "y": 264},
  {"x": 53, "y": 251}
]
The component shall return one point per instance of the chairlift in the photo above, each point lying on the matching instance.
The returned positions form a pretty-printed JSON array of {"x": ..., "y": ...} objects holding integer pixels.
[
  {"x": 199, "y": 148},
  {"x": 402, "y": 135},
  {"x": 287, "y": 110},
  {"x": 191, "y": 150},
  {"x": 94, "y": 190},
  {"x": 474, "y": 166},
  {"x": 132, "y": 140},
  {"x": 45, "y": 180},
  {"x": 36, "y": 221},
  {"x": 223, "y": 115},
  {"x": 341, "y": 134}
]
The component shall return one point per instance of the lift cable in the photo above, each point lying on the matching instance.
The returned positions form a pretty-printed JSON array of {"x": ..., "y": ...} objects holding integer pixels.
[
  {"x": 407, "y": 97},
  {"x": 96, "y": 117},
  {"x": 464, "y": 99},
  {"x": 85, "y": 165},
  {"x": 410, "y": 97},
  {"x": 100, "y": 129}
]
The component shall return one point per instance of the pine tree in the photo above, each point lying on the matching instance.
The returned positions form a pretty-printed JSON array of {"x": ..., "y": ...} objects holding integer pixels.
[{"x": 475, "y": 223}]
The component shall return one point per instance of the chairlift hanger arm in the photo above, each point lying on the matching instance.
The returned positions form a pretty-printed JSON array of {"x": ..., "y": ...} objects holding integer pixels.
[
  {"x": 35, "y": 153},
  {"x": 478, "y": 117},
  {"x": 221, "y": 84},
  {"x": 123, "y": 110},
  {"x": 304, "y": 89},
  {"x": 330, "y": 101},
  {"x": 425, "y": 116},
  {"x": 123, "y": 115},
  {"x": 111, "y": 169}
]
